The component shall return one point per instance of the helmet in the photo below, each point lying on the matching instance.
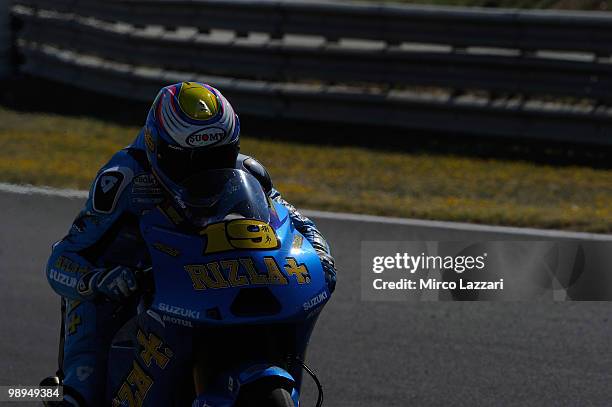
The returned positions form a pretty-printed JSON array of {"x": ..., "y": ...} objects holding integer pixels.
[{"x": 190, "y": 128}]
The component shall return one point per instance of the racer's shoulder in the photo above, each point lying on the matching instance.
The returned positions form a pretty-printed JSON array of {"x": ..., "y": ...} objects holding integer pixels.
[
  {"x": 255, "y": 168},
  {"x": 114, "y": 177}
]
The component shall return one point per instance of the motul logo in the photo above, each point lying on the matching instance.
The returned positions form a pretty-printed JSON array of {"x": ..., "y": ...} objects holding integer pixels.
[{"x": 178, "y": 321}]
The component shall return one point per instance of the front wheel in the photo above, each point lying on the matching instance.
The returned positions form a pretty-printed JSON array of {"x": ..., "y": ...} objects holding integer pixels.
[
  {"x": 265, "y": 393},
  {"x": 279, "y": 398}
]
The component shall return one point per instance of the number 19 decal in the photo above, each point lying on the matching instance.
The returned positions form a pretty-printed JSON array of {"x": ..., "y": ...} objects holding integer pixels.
[{"x": 249, "y": 234}]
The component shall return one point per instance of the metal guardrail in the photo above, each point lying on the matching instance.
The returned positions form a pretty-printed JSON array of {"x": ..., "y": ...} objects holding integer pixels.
[
  {"x": 5, "y": 39},
  {"x": 525, "y": 30},
  {"x": 277, "y": 60},
  {"x": 335, "y": 61}
]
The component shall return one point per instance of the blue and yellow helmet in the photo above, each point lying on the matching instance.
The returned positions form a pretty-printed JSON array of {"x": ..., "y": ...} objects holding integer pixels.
[{"x": 190, "y": 128}]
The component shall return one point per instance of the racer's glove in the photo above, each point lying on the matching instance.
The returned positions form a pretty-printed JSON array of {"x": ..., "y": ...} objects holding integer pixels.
[
  {"x": 115, "y": 284},
  {"x": 329, "y": 268},
  {"x": 328, "y": 263}
]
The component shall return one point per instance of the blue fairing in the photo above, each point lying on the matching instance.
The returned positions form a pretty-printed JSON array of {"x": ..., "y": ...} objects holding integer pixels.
[
  {"x": 231, "y": 271},
  {"x": 176, "y": 296}
]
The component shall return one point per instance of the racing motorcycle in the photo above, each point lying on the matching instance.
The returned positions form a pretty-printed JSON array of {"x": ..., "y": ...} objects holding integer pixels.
[{"x": 230, "y": 303}]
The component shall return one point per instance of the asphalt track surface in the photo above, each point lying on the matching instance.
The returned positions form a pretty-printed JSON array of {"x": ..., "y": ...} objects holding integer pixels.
[{"x": 365, "y": 353}]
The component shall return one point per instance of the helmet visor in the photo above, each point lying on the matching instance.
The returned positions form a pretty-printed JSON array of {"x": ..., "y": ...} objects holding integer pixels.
[{"x": 179, "y": 163}]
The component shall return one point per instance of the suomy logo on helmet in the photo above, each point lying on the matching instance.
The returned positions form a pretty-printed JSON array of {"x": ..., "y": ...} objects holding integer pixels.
[{"x": 205, "y": 137}]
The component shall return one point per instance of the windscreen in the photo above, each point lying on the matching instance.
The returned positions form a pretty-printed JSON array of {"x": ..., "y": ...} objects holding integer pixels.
[
  {"x": 179, "y": 163},
  {"x": 216, "y": 195}
]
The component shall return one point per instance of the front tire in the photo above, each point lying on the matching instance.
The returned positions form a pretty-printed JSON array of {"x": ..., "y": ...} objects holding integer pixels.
[
  {"x": 265, "y": 393},
  {"x": 280, "y": 398}
]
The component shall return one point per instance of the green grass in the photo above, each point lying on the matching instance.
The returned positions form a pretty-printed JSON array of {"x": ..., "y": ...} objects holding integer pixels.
[{"x": 66, "y": 152}]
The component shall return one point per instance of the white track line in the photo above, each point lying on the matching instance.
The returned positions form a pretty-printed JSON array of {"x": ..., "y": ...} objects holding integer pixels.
[
  {"x": 34, "y": 190},
  {"x": 460, "y": 226},
  {"x": 434, "y": 224}
]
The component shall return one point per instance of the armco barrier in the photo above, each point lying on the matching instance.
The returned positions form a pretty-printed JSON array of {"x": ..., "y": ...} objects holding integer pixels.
[
  {"x": 545, "y": 75},
  {"x": 5, "y": 39}
]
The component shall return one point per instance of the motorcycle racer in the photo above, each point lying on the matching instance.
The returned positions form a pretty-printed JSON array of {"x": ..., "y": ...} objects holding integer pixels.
[{"x": 190, "y": 127}]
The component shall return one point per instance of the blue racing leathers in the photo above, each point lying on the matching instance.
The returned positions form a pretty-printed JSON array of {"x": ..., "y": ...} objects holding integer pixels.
[{"x": 105, "y": 239}]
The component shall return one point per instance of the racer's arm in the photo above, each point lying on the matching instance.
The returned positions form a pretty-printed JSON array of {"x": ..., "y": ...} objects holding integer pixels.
[
  {"x": 303, "y": 224},
  {"x": 307, "y": 228},
  {"x": 75, "y": 267}
]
